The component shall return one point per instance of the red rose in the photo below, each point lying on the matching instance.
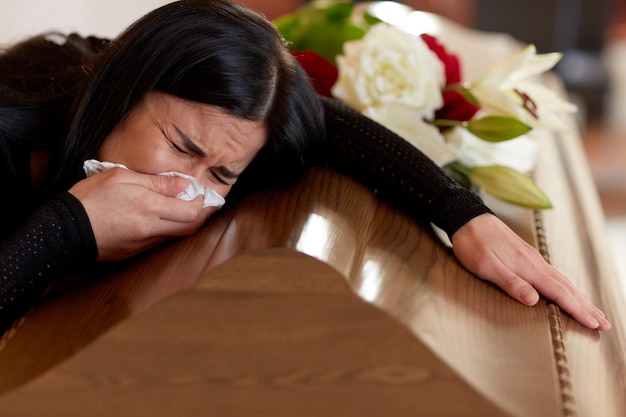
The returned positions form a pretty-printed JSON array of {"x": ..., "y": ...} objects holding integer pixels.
[
  {"x": 321, "y": 72},
  {"x": 456, "y": 107},
  {"x": 450, "y": 62}
]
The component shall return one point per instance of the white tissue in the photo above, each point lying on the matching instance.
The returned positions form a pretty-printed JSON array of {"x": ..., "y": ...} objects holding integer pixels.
[{"x": 193, "y": 190}]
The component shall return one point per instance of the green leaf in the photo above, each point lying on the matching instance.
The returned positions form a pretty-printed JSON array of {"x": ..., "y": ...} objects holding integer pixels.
[
  {"x": 497, "y": 128},
  {"x": 288, "y": 25},
  {"x": 464, "y": 91},
  {"x": 510, "y": 185},
  {"x": 371, "y": 20},
  {"x": 469, "y": 96},
  {"x": 321, "y": 27},
  {"x": 340, "y": 11},
  {"x": 327, "y": 39}
]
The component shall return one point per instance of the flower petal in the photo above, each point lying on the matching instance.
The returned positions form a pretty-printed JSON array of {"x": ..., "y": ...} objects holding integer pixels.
[
  {"x": 510, "y": 185},
  {"x": 535, "y": 65},
  {"x": 405, "y": 122},
  {"x": 390, "y": 66},
  {"x": 502, "y": 70},
  {"x": 519, "y": 153},
  {"x": 495, "y": 101}
]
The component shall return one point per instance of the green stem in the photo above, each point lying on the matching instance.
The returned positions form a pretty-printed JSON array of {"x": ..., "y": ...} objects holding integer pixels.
[
  {"x": 460, "y": 173},
  {"x": 455, "y": 87},
  {"x": 459, "y": 167},
  {"x": 448, "y": 123}
]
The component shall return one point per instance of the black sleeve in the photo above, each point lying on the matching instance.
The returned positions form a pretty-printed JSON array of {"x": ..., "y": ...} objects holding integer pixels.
[
  {"x": 55, "y": 241},
  {"x": 396, "y": 170}
]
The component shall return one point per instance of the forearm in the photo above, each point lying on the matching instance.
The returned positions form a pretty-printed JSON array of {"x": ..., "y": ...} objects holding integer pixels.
[
  {"x": 400, "y": 173},
  {"x": 54, "y": 242}
]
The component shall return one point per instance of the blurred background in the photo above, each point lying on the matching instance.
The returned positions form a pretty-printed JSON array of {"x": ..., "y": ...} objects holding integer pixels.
[{"x": 590, "y": 33}]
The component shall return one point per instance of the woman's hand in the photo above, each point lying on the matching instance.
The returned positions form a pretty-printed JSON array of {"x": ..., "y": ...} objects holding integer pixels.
[
  {"x": 131, "y": 212},
  {"x": 492, "y": 251}
]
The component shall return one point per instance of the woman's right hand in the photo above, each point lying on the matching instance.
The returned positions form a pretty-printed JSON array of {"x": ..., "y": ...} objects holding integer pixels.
[{"x": 131, "y": 212}]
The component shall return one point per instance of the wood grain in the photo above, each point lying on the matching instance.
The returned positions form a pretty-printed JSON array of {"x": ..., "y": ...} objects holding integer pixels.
[
  {"x": 380, "y": 315},
  {"x": 576, "y": 240},
  {"x": 290, "y": 340}
]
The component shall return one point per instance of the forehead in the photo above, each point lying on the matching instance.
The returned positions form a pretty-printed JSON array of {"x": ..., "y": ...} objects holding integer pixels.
[{"x": 209, "y": 127}]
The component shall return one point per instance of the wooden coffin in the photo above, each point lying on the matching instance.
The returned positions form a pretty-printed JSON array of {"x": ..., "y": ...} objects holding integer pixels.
[{"x": 321, "y": 300}]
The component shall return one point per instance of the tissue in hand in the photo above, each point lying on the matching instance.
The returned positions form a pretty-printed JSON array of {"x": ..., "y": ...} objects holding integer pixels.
[{"x": 193, "y": 190}]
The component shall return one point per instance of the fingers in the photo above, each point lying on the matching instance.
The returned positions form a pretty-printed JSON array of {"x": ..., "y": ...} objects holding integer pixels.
[
  {"x": 131, "y": 212},
  {"x": 561, "y": 291},
  {"x": 551, "y": 284},
  {"x": 492, "y": 251},
  {"x": 175, "y": 210},
  {"x": 168, "y": 185},
  {"x": 516, "y": 287}
]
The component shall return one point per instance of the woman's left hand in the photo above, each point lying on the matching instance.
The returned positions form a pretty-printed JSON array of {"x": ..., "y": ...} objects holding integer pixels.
[{"x": 490, "y": 249}]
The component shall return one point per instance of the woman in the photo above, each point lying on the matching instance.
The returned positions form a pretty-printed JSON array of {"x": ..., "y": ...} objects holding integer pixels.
[{"x": 205, "y": 88}]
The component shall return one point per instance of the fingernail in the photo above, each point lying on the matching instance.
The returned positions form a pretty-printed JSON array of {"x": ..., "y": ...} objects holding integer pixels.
[
  {"x": 593, "y": 323},
  {"x": 529, "y": 296}
]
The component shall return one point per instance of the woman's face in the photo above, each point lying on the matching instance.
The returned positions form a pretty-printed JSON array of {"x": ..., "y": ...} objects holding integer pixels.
[{"x": 166, "y": 133}]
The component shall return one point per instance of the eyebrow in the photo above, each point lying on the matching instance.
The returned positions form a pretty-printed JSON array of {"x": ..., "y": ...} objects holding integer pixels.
[
  {"x": 189, "y": 144},
  {"x": 192, "y": 147}
]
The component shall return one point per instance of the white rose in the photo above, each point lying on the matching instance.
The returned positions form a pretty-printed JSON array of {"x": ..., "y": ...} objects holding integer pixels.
[{"x": 387, "y": 66}]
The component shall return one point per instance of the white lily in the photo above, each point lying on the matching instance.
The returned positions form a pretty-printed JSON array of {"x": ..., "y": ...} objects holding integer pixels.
[
  {"x": 519, "y": 153},
  {"x": 511, "y": 88},
  {"x": 408, "y": 123}
]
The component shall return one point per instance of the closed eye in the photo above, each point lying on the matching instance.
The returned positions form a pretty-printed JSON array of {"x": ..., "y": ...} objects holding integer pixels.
[
  {"x": 178, "y": 148},
  {"x": 190, "y": 145},
  {"x": 173, "y": 144},
  {"x": 219, "y": 179}
]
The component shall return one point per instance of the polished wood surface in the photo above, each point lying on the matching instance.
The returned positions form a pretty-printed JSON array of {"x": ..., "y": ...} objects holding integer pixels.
[
  {"x": 595, "y": 375},
  {"x": 269, "y": 333},
  {"x": 178, "y": 328}
]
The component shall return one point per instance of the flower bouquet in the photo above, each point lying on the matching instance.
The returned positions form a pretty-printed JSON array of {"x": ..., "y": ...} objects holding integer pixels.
[{"x": 478, "y": 131}]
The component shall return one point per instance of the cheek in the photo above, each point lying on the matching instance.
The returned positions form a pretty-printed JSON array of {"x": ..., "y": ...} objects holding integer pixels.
[
  {"x": 137, "y": 153},
  {"x": 111, "y": 149}
]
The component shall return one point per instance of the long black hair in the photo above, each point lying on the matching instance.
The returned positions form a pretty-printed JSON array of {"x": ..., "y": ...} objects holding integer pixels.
[
  {"x": 39, "y": 79},
  {"x": 210, "y": 51}
]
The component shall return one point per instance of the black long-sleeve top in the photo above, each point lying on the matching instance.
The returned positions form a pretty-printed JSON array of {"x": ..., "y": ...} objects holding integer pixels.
[{"x": 57, "y": 240}]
